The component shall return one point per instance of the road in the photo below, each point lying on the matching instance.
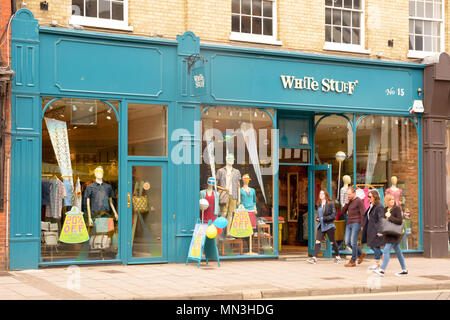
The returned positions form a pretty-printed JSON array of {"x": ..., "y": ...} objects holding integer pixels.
[{"x": 407, "y": 295}]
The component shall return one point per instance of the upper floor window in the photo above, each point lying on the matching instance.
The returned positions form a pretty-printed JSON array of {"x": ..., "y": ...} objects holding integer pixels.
[
  {"x": 426, "y": 28},
  {"x": 344, "y": 25},
  {"x": 254, "y": 21},
  {"x": 111, "y": 14}
]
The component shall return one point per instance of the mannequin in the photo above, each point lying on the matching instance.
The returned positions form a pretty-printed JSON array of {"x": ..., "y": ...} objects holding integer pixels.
[
  {"x": 99, "y": 197},
  {"x": 248, "y": 198},
  {"x": 343, "y": 192},
  {"x": 395, "y": 191},
  {"x": 213, "y": 199},
  {"x": 228, "y": 180}
]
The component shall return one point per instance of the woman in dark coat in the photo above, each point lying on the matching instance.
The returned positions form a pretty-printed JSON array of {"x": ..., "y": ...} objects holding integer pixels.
[
  {"x": 372, "y": 227},
  {"x": 393, "y": 214},
  {"x": 326, "y": 214}
]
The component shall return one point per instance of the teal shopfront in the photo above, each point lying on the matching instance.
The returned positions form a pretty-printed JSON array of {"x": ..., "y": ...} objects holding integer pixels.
[{"x": 129, "y": 129}]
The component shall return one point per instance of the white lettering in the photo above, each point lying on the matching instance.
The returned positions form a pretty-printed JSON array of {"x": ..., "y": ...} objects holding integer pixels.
[
  {"x": 325, "y": 85},
  {"x": 287, "y": 81}
]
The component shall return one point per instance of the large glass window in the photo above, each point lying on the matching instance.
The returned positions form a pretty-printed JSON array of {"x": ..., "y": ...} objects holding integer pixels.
[
  {"x": 334, "y": 134},
  {"x": 147, "y": 130},
  {"x": 387, "y": 160},
  {"x": 237, "y": 153},
  {"x": 79, "y": 214}
]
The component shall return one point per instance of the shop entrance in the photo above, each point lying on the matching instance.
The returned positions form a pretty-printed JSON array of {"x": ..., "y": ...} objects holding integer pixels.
[
  {"x": 145, "y": 211},
  {"x": 293, "y": 208},
  {"x": 299, "y": 186}
]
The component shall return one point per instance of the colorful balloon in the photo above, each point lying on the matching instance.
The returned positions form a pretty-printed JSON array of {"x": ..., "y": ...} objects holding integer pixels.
[
  {"x": 211, "y": 231},
  {"x": 220, "y": 222},
  {"x": 219, "y": 231}
]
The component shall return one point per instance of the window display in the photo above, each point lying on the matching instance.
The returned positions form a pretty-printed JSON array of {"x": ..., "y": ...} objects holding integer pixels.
[
  {"x": 237, "y": 156},
  {"x": 79, "y": 179},
  {"x": 387, "y": 160}
]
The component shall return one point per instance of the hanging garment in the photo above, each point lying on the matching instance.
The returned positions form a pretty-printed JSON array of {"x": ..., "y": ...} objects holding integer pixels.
[{"x": 57, "y": 193}]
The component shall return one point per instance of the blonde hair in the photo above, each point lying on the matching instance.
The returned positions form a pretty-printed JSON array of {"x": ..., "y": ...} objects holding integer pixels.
[{"x": 388, "y": 198}]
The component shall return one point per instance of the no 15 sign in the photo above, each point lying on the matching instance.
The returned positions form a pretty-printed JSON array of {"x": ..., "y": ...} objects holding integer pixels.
[{"x": 392, "y": 92}]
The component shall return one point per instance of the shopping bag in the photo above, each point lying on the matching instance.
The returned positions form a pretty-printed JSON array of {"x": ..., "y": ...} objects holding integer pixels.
[{"x": 101, "y": 225}]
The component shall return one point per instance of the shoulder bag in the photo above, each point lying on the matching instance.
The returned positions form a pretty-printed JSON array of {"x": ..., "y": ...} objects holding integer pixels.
[{"x": 391, "y": 229}]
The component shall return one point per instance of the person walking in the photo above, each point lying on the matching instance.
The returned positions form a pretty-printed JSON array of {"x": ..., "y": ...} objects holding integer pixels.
[
  {"x": 355, "y": 209},
  {"x": 325, "y": 218},
  {"x": 393, "y": 213},
  {"x": 372, "y": 227}
]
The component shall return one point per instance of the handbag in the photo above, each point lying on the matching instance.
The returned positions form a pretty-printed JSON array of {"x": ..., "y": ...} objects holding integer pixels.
[
  {"x": 100, "y": 241},
  {"x": 391, "y": 229},
  {"x": 110, "y": 224},
  {"x": 140, "y": 203}
]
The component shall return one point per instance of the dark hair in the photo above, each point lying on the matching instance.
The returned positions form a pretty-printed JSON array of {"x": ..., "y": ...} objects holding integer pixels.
[
  {"x": 376, "y": 196},
  {"x": 327, "y": 197}
]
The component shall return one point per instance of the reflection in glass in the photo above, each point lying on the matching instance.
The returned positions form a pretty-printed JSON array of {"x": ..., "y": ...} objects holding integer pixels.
[{"x": 146, "y": 232}]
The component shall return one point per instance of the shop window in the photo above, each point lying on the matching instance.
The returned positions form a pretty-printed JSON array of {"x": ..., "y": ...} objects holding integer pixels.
[
  {"x": 253, "y": 20},
  {"x": 426, "y": 27},
  {"x": 387, "y": 160},
  {"x": 237, "y": 145},
  {"x": 79, "y": 213},
  {"x": 344, "y": 25},
  {"x": 334, "y": 134},
  {"x": 100, "y": 13},
  {"x": 145, "y": 139}
]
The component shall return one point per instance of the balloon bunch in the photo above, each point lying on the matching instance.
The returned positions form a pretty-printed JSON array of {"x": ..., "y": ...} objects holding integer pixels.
[{"x": 216, "y": 227}]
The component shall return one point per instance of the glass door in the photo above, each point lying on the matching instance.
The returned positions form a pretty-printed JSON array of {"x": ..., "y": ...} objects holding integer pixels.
[
  {"x": 146, "y": 209},
  {"x": 320, "y": 179}
]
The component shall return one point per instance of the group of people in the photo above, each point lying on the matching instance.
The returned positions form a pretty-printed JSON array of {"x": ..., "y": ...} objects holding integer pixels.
[{"x": 369, "y": 222}]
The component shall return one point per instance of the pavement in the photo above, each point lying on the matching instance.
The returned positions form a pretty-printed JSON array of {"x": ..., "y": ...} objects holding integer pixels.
[{"x": 286, "y": 277}]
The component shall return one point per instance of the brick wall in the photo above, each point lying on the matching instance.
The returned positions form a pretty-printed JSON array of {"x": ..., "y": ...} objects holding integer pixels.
[
  {"x": 5, "y": 13},
  {"x": 300, "y": 23}
]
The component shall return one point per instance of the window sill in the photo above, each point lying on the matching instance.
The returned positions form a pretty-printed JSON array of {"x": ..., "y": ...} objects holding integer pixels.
[
  {"x": 331, "y": 46},
  {"x": 100, "y": 23},
  {"x": 245, "y": 37},
  {"x": 421, "y": 54}
]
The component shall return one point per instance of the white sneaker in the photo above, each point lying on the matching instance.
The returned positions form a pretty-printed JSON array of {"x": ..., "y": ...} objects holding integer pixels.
[
  {"x": 312, "y": 260},
  {"x": 374, "y": 267},
  {"x": 401, "y": 274},
  {"x": 337, "y": 260},
  {"x": 379, "y": 272}
]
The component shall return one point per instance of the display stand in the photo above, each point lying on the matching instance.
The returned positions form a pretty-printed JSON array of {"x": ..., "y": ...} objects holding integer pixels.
[{"x": 201, "y": 244}]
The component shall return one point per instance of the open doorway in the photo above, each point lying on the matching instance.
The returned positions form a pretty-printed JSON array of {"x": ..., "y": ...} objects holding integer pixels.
[{"x": 293, "y": 209}]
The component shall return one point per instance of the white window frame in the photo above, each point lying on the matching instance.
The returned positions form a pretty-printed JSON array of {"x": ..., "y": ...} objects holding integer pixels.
[
  {"x": 103, "y": 23},
  {"x": 347, "y": 47},
  {"x": 249, "y": 37},
  {"x": 420, "y": 54}
]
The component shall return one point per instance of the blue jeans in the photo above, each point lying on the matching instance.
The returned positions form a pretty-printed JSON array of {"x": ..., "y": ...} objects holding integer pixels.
[
  {"x": 387, "y": 253},
  {"x": 351, "y": 239},
  {"x": 377, "y": 252}
]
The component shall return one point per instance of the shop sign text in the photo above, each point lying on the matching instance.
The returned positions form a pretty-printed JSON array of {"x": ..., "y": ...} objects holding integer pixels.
[{"x": 326, "y": 85}]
